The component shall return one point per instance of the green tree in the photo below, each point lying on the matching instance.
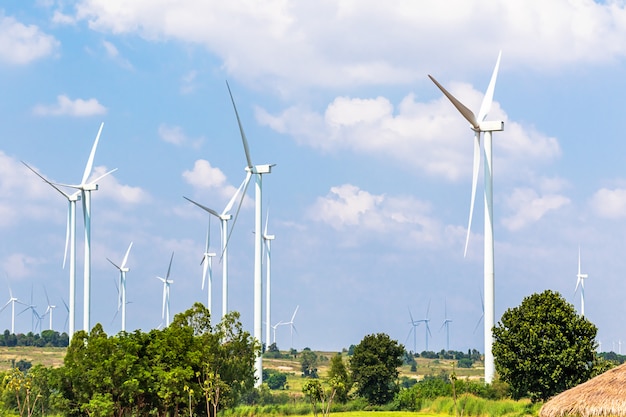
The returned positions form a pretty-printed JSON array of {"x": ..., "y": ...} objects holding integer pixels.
[
  {"x": 543, "y": 347},
  {"x": 308, "y": 359},
  {"x": 374, "y": 367},
  {"x": 339, "y": 373}
]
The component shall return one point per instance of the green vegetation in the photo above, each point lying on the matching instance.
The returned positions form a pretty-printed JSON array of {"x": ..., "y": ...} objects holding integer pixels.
[{"x": 543, "y": 347}]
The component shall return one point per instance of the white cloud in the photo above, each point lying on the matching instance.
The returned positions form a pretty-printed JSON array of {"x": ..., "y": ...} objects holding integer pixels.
[
  {"x": 68, "y": 107},
  {"x": 188, "y": 82},
  {"x": 176, "y": 136},
  {"x": 109, "y": 187},
  {"x": 21, "y": 44},
  {"x": 529, "y": 207},
  {"x": 329, "y": 43},
  {"x": 349, "y": 207},
  {"x": 609, "y": 203},
  {"x": 206, "y": 178},
  {"x": 113, "y": 53},
  {"x": 428, "y": 137},
  {"x": 62, "y": 19},
  {"x": 19, "y": 265}
]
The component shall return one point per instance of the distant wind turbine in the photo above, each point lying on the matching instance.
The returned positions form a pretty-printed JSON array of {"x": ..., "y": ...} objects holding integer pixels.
[
  {"x": 70, "y": 241},
  {"x": 224, "y": 217},
  {"x": 414, "y": 325},
  {"x": 446, "y": 324},
  {"x": 479, "y": 125},
  {"x": 268, "y": 300},
  {"x": 257, "y": 171},
  {"x": 291, "y": 325},
  {"x": 12, "y": 301},
  {"x": 35, "y": 316},
  {"x": 274, "y": 327},
  {"x": 207, "y": 268},
  {"x": 165, "y": 311},
  {"x": 426, "y": 322},
  {"x": 580, "y": 282},
  {"x": 121, "y": 300},
  {"x": 49, "y": 309}
]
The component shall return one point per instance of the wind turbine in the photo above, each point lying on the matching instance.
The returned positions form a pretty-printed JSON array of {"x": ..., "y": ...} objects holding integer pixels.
[
  {"x": 121, "y": 301},
  {"x": 580, "y": 281},
  {"x": 224, "y": 217},
  {"x": 268, "y": 251},
  {"x": 70, "y": 240},
  {"x": 274, "y": 327},
  {"x": 165, "y": 311},
  {"x": 32, "y": 307},
  {"x": 290, "y": 323},
  {"x": 258, "y": 171},
  {"x": 12, "y": 301},
  {"x": 426, "y": 321},
  {"x": 49, "y": 309},
  {"x": 414, "y": 324},
  {"x": 207, "y": 267},
  {"x": 85, "y": 189},
  {"x": 446, "y": 324},
  {"x": 479, "y": 125}
]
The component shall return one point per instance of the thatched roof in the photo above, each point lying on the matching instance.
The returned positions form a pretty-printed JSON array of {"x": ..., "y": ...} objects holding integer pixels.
[{"x": 604, "y": 395}]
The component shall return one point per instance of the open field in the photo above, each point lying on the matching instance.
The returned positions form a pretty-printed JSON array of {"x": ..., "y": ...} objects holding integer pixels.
[{"x": 48, "y": 356}]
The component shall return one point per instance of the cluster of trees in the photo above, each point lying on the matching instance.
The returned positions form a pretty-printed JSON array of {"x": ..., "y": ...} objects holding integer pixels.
[
  {"x": 190, "y": 366},
  {"x": 47, "y": 338}
]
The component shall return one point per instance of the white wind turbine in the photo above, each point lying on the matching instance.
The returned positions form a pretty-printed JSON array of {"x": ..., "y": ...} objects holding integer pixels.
[
  {"x": 268, "y": 300},
  {"x": 580, "y": 281},
  {"x": 426, "y": 321},
  {"x": 414, "y": 325},
  {"x": 49, "y": 309},
  {"x": 446, "y": 324},
  {"x": 121, "y": 301},
  {"x": 12, "y": 301},
  {"x": 86, "y": 187},
  {"x": 207, "y": 268},
  {"x": 274, "y": 327},
  {"x": 290, "y": 323},
  {"x": 258, "y": 171},
  {"x": 70, "y": 241},
  {"x": 224, "y": 217},
  {"x": 479, "y": 125},
  {"x": 165, "y": 311}
]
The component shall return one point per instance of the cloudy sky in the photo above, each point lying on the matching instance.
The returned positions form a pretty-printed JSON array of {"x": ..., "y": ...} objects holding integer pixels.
[{"x": 370, "y": 194}]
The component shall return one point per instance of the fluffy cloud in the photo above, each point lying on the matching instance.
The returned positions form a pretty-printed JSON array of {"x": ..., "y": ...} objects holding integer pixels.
[
  {"x": 529, "y": 207},
  {"x": 21, "y": 44},
  {"x": 609, "y": 203},
  {"x": 68, "y": 107},
  {"x": 329, "y": 43},
  {"x": 109, "y": 187},
  {"x": 429, "y": 137},
  {"x": 206, "y": 178},
  {"x": 365, "y": 214}
]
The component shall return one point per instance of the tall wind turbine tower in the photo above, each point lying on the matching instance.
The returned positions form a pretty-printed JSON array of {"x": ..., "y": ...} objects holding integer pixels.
[
  {"x": 207, "y": 268},
  {"x": 479, "y": 126},
  {"x": 224, "y": 217},
  {"x": 86, "y": 187},
  {"x": 268, "y": 299},
  {"x": 446, "y": 324},
  {"x": 580, "y": 282},
  {"x": 70, "y": 240},
  {"x": 258, "y": 171},
  {"x": 121, "y": 301},
  {"x": 165, "y": 311}
]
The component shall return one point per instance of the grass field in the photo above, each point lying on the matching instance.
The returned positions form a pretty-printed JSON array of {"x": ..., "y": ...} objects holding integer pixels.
[{"x": 44, "y": 356}]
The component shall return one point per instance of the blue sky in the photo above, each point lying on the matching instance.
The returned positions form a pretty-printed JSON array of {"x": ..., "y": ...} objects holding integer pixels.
[{"x": 370, "y": 194}]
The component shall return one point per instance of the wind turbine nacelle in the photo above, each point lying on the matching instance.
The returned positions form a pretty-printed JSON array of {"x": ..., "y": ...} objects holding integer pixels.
[
  {"x": 263, "y": 169},
  {"x": 211, "y": 254},
  {"x": 491, "y": 126},
  {"x": 269, "y": 237},
  {"x": 90, "y": 187}
]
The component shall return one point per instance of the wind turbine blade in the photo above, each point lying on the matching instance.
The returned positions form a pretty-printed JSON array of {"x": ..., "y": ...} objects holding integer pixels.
[
  {"x": 91, "y": 156},
  {"x": 294, "y": 313},
  {"x": 67, "y": 237},
  {"x": 126, "y": 256},
  {"x": 205, "y": 268},
  {"x": 267, "y": 219},
  {"x": 486, "y": 104},
  {"x": 169, "y": 267},
  {"x": 164, "y": 296},
  {"x": 103, "y": 175},
  {"x": 213, "y": 212},
  {"x": 229, "y": 206},
  {"x": 465, "y": 112},
  {"x": 411, "y": 315},
  {"x": 476, "y": 166},
  {"x": 47, "y": 181},
  {"x": 243, "y": 135},
  {"x": 243, "y": 194}
]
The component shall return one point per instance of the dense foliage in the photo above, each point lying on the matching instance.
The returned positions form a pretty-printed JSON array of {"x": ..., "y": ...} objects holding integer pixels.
[
  {"x": 543, "y": 347},
  {"x": 374, "y": 368},
  {"x": 191, "y": 365},
  {"x": 47, "y": 338}
]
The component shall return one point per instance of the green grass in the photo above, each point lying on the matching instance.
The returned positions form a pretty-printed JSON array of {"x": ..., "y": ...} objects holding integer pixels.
[{"x": 49, "y": 356}]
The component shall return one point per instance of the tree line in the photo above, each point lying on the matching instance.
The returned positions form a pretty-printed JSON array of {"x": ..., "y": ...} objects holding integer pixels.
[{"x": 47, "y": 338}]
